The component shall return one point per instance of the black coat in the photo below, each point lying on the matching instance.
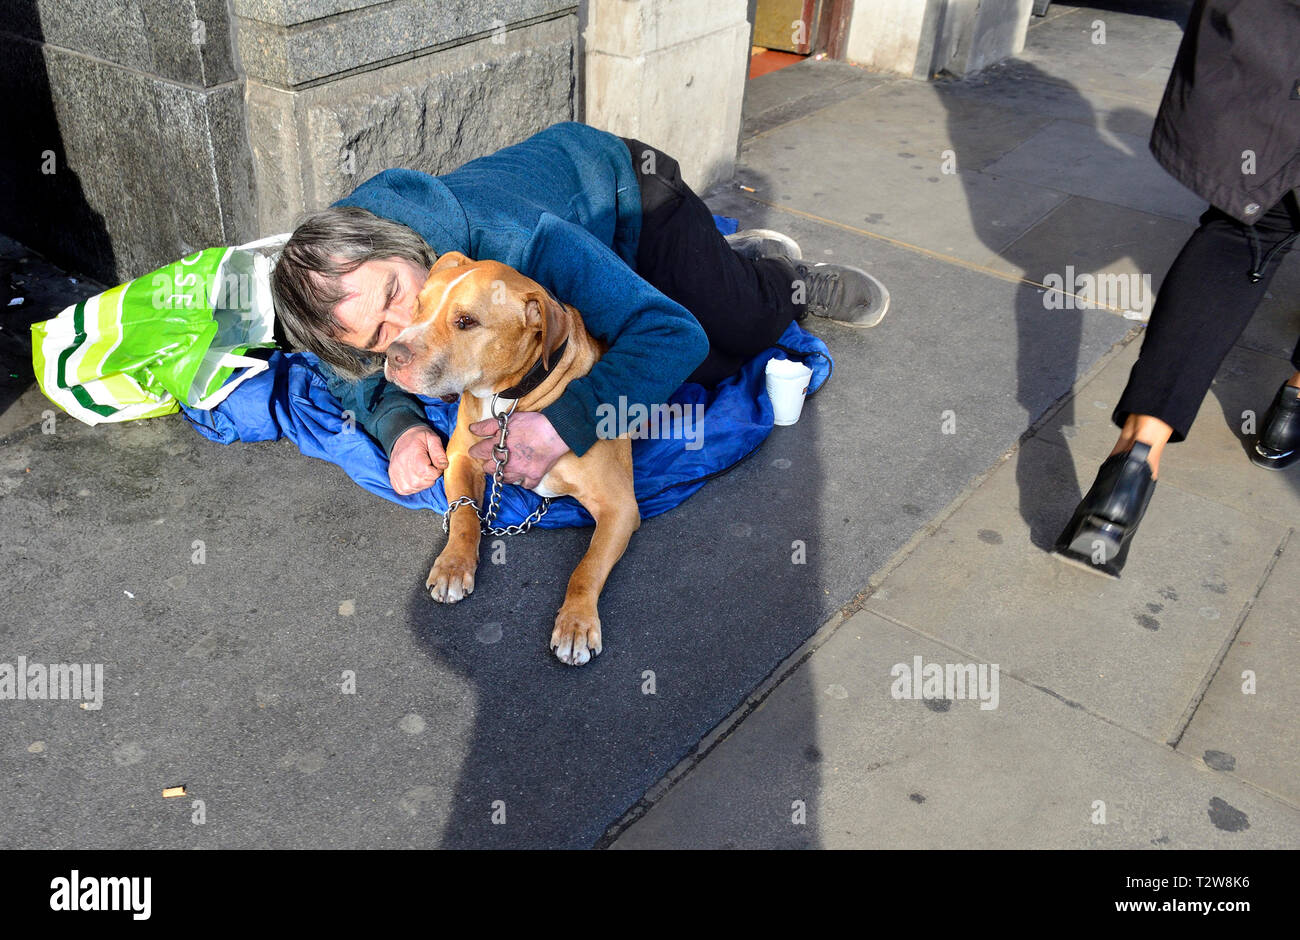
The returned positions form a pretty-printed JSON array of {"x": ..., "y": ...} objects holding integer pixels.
[{"x": 1235, "y": 87}]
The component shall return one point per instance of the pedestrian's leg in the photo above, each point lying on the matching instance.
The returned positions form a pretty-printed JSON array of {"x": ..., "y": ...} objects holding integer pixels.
[
  {"x": 1208, "y": 297},
  {"x": 1209, "y": 294}
]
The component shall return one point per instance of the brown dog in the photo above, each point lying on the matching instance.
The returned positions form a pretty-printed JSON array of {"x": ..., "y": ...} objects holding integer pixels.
[{"x": 481, "y": 327}]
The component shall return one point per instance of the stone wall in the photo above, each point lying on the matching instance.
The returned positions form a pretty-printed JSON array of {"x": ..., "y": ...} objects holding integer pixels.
[
  {"x": 923, "y": 38},
  {"x": 141, "y": 130},
  {"x": 339, "y": 90},
  {"x": 124, "y": 124},
  {"x": 998, "y": 31},
  {"x": 672, "y": 74}
]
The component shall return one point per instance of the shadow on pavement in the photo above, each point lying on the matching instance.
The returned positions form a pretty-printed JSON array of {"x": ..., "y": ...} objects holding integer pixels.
[
  {"x": 1048, "y": 340},
  {"x": 705, "y": 603}
]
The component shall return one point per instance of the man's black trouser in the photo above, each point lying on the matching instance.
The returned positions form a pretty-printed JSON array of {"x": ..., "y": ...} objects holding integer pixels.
[
  {"x": 1208, "y": 297},
  {"x": 743, "y": 305}
]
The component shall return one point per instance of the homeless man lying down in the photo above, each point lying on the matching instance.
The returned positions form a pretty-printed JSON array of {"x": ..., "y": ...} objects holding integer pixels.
[{"x": 605, "y": 224}]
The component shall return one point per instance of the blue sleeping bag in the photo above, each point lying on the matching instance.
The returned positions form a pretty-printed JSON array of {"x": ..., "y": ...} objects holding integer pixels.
[{"x": 291, "y": 399}]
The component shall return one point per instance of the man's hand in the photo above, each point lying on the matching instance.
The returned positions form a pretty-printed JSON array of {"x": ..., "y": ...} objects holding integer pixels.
[
  {"x": 533, "y": 444},
  {"x": 417, "y": 460}
]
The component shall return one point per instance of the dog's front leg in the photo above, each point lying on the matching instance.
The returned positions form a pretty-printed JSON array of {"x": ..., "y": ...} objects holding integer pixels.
[
  {"x": 452, "y": 576},
  {"x": 576, "y": 637}
]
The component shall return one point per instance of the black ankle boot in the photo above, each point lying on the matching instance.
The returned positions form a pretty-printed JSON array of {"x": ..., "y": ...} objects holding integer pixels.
[
  {"x": 1278, "y": 444},
  {"x": 1098, "y": 536}
]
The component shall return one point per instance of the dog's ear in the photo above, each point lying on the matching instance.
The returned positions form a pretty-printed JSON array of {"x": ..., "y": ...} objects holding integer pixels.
[
  {"x": 450, "y": 259},
  {"x": 543, "y": 313},
  {"x": 426, "y": 303}
]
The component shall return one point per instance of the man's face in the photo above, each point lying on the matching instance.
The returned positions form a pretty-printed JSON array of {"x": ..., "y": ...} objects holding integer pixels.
[{"x": 379, "y": 302}]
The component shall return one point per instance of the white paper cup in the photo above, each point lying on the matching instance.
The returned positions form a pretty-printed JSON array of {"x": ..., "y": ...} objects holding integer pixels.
[{"x": 787, "y": 385}]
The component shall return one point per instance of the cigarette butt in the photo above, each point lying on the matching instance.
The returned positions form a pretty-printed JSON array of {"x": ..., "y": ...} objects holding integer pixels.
[
  {"x": 748, "y": 189},
  {"x": 174, "y": 791}
]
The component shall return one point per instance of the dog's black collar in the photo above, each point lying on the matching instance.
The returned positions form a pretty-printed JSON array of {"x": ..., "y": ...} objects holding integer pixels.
[{"x": 535, "y": 376}]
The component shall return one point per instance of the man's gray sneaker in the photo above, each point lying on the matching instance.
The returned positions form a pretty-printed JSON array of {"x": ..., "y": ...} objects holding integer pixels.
[
  {"x": 756, "y": 243},
  {"x": 840, "y": 292}
]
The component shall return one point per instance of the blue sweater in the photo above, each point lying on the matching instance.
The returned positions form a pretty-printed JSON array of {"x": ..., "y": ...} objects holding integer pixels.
[{"x": 564, "y": 208}]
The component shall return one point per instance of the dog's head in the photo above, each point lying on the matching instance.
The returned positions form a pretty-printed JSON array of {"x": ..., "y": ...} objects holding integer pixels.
[{"x": 479, "y": 325}]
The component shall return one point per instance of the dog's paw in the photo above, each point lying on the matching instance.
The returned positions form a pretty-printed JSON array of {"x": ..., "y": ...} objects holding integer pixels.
[
  {"x": 451, "y": 579},
  {"x": 576, "y": 637}
]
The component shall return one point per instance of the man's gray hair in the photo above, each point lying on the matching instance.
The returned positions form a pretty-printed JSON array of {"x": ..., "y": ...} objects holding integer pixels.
[{"x": 304, "y": 283}]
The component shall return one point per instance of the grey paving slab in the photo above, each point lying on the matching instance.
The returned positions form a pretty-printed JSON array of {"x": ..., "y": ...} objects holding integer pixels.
[
  {"x": 26, "y": 409},
  {"x": 914, "y": 123},
  {"x": 1246, "y": 724},
  {"x": 1135, "y": 651},
  {"x": 1035, "y": 88},
  {"x": 885, "y": 463},
  {"x": 1098, "y": 239},
  {"x": 792, "y": 92},
  {"x": 224, "y": 676},
  {"x": 1213, "y": 462},
  {"x": 1113, "y": 87},
  {"x": 1114, "y": 168},
  {"x": 868, "y": 770},
  {"x": 946, "y": 324},
  {"x": 801, "y": 80},
  {"x": 967, "y": 215},
  {"x": 1129, "y": 56}
]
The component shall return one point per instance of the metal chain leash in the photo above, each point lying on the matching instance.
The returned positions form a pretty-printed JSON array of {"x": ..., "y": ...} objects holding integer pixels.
[{"x": 501, "y": 454}]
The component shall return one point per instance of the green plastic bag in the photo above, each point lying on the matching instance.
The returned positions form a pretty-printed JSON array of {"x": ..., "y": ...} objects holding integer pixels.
[{"x": 180, "y": 334}]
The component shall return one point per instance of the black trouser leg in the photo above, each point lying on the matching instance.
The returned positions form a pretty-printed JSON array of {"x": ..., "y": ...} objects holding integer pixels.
[
  {"x": 744, "y": 306},
  {"x": 1207, "y": 298}
]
